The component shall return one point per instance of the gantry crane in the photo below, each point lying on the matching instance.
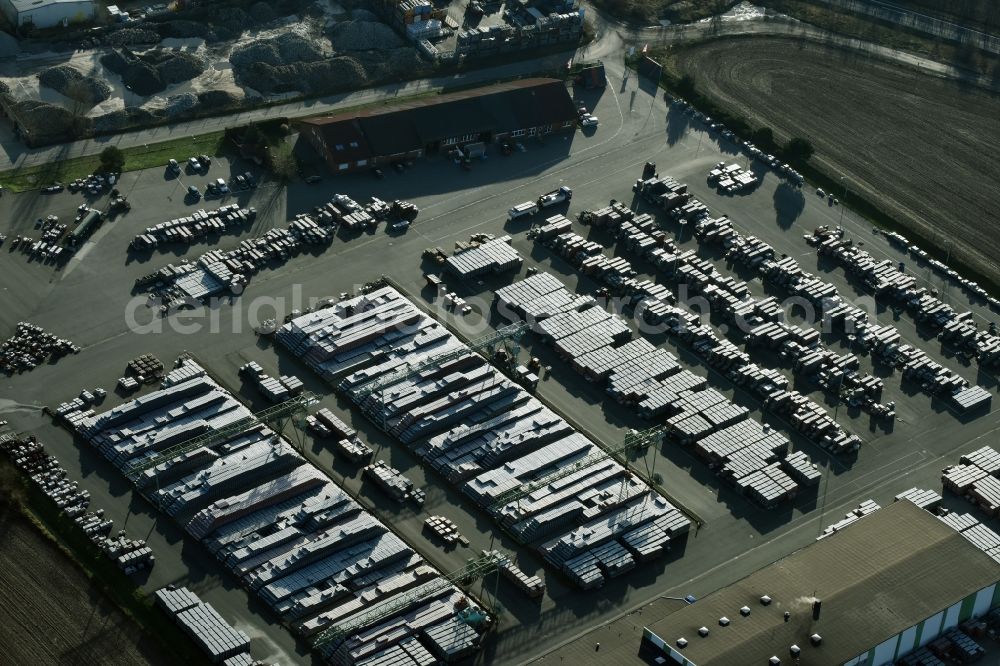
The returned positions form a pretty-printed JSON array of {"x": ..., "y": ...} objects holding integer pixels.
[
  {"x": 276, "y": 417},
  {"x": 507, "y": 337},
  {"x": 634, "y": 441},
  {"x": 473, "y": 570}
]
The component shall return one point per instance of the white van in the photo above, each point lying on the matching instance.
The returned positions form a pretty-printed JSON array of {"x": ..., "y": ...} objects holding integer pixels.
[{"x": 522, "y": 210}]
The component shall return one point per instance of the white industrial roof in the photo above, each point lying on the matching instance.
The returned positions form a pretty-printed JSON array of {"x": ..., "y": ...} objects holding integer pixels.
[{"x": 23, "y": 6}]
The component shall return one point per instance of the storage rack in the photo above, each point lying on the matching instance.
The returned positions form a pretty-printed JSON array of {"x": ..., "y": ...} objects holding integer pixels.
[
  {"x": 473, "y": 570},
  {"x": 634, "y": 441},
  {"x": 276, "y": 416},
  {"x": 491, "y": 343}
]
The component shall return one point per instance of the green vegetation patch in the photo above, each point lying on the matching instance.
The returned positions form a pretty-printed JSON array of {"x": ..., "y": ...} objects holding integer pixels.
[{"x": 136, "y": 158}]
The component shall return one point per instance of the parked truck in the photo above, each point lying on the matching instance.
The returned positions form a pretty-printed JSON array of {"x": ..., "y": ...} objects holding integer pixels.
[
  {"x": 522, "y": 210},
  {"x": 555, "y": 197}
]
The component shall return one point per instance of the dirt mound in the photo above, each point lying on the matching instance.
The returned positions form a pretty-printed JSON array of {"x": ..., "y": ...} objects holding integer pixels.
[
  {"x": 230, "y": 22},
  {"x": 364, "y": 15},
  {"x": 184, "y": 29},
  {"x": 43, "y": 121},
  {"x": 132, "y": 37},
  {"x": 341, "y": 73},
  {"x": 288, "y": 49},
  {"x": 178, "y": 105},
  {"x": 218, "y": 99},
  {"x": 261, "y": 12},
  {"x": 363, "y": 36},
  {"x": 149, "y": 73},
  {"x": 70, "y": 82}
]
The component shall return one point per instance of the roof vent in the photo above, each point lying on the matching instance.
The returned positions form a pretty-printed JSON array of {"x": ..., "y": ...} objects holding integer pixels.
[
  {"x": 765, "y": 600},
  {"x": 682, "y": 643},
  {"x": 723, "y": 621},
  {"x": 815, "y": 639},
  {"x": 774, "y": 661},
  {"x": 795, "y": 650},
  {"x": 703, "y": 632},
  {"x": 745, "y": 611}
]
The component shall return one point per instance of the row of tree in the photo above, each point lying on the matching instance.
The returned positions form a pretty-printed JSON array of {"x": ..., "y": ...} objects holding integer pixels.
[{"x": 797, "y": 149}]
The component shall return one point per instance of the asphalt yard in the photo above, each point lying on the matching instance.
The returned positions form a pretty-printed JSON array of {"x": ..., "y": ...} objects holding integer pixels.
[{"x": 90, "y": 301}]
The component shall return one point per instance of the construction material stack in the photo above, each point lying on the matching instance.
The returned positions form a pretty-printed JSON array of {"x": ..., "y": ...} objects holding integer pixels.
[
  {"x": 597, "y": 344},
  {"x": 482, "y": 432},
  {"x": 347, "y": 443},
  {"x": 977, "y": 478},
  {"x": 216, "y": 637},
  {"x": 285, "y": 531},
  {"x": 30, "y": 346},
  {"x": 483, "y": 256},
  {"x": 44, "y": 470}
]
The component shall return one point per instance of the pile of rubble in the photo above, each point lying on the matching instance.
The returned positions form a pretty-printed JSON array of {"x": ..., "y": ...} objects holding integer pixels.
[
  {"x": 43, "y": 122},
  {"x": 132, "y": 37},
  {"x": 151, "y": 72},
  {"x": 285, "y": 49},
  {"x": 363, "y": 36},
  {"x": 30, "y": 346},
  {"x": 70, "y": 82}
]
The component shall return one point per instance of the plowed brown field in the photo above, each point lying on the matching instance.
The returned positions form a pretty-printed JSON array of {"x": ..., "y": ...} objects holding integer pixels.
[
  {"x": 51, "y": 614},
  {"x": 925, "y": 150}
]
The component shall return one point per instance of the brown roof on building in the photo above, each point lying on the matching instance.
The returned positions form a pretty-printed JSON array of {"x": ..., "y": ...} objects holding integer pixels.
[
  {"x": 412, "y": 124},
  {"x": 875, "y": 579},
  {"x": 346, "y": 141}
]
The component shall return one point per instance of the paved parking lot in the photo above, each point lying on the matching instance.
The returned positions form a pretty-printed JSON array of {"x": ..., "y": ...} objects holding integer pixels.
[{"x": 89, "y": 301}]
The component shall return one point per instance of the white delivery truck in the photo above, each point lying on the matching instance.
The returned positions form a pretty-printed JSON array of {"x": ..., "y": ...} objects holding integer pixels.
[{"x": 522, "y": 210}]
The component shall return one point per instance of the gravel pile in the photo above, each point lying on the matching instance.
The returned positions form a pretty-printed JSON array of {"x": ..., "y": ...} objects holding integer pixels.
[
  {"x": 177, "y": 66},
  {"x": 43, "y": 121},
  {"x": 364, "y": 15},
  {"x": 178, "y": 105},
  {"x": 132, "y": 37},
  {"x": 262, "y": 13},
  {"x": 219, "y": 99},
  {"x": 391, "y": 65},
  {"x": 230, "y": 22},
  {"x": 70, "y": 82},
  {"x": 288, "y": 49},
  {"x": 335, "y": 74},
  {"x": 149, "y": 73},
  {"x": 112, "y": 121},
  {"x": 363, "y": 36},
  {"x": 184, "y": 29}
]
